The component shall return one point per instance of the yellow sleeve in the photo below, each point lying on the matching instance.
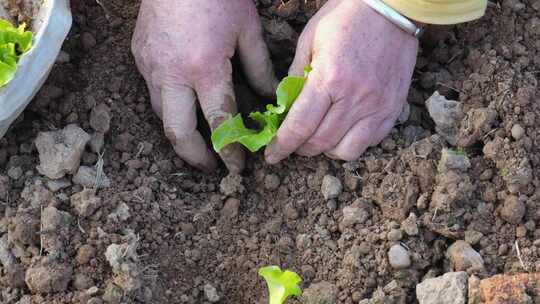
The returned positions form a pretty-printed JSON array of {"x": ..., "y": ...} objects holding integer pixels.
[{"x": 439, "y": 11}]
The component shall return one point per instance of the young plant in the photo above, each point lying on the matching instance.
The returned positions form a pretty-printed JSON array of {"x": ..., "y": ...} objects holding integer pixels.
[
  {"x": 234, "y": 130},
  {"x": 281, "y": 284},
  {"x": 14, "y": 42}
]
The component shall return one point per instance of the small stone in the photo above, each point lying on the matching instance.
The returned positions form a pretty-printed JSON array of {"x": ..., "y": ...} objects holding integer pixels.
[
  {"x": 512, "y": 210},
  {"x": 450, "y": 288},
  {"x": 211, "y": 294},
  {"x": 96, "y": 142},
  {"x": 15, "y": 173},
  {"x": 447, "y": 115},
  {"x": 394, "y": 235},
  {"x": 521, "y": 231},
  {"x": 271, "y": 182},
  {"x": 453, "y": 160},
  {"x": 320, "y": 293},
  {"x": 58, "y": 184},
  {"x": 100, "y": 118},
  {"x": 50, "y": 278},
  {"x": 230, "y": 208},
  {"x": 410, "y": 225},
  {"x": 231, "y": 184},
  {"x": 464, "y": 258},
  {"x": 473, "y": 237},
  {"x": 85, "y": 202},
  {"x": 86, "y": 177},
  {"x": 331, "y": 187},
  {"x": 85, "y": 254},
  {"x": 517, "y": 132},
  {"x": 60, "y": 151},
  {"x": 82, "y": 281},
  {"x": 399, "y": 257},
  {"x": 88, "y": 41}
]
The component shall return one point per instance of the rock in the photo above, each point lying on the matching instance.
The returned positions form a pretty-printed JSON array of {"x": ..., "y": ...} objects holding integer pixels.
[
  {"x": 85, "y": 254},
  {"x": 100, "y": 118},
  {"x": 464, "y": 258},
  {"x": 271, "y": 182},
  {"x": 450, "y": 288},
  {"x": 447, "y": 115},
  {"x": 15, "y": 173},
  {"x": 399, "y": 257},
  {"x": 331, "y": 187},
  {"x": 121, "y": 213},
  {"x": 56, "y": 223},
  {"x": 410, "y": 225},
  {"x": 96, "y": 142},
  {"x": 58, "y": 184},
  {"x": 320, "y": 293},
  {"x": 394, "y": 235},
  {"x": 503, "y": 289},
  {"x": 517, "y": 132},
  {"x": 512, "y": 210},
  {"x": 356, "y": 213},
  {"x": 473, "y": 237},
  {"x": 82, "y": 281},
  {"x": 86, "y": 177},
  {"x": 211, "y": 294},
  {"x": 231, "y": 184},
  {"x": 60, "y": 151},
  {"x": 85, "y": 202},
  {"x": 453, "y": 160},
  {"x": 230, "y": 209},
  {"x": 50, "y": 278}
]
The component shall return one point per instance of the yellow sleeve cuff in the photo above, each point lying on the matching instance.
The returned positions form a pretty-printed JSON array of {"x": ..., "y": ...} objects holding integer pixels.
[{"x": 439, "y": 11}]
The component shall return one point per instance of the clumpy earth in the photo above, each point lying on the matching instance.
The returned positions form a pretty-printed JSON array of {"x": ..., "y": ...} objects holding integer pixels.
[{"x": 96, "y": 208}]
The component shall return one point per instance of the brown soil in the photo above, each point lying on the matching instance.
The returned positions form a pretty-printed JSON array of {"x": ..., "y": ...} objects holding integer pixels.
[{"x": 189, "y": 234}]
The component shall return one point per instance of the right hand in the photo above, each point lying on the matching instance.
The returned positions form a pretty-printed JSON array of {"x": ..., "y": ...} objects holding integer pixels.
[{"x": 183, "y": 50}]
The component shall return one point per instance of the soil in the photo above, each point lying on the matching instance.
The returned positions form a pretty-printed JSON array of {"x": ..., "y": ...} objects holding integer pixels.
[{"x": 180, "y": 239}]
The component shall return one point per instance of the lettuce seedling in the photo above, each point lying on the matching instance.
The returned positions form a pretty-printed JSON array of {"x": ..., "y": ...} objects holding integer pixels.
[
  {"x": 14, "y": 42},
  {"x": 234, "y": 130},
  {"x": 281, "y": 284}
]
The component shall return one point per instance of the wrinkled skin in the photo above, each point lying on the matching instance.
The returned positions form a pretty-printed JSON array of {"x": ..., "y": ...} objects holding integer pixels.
[
  {"x": 362, "y": 69},
  {"x": 183, "y": 50}
]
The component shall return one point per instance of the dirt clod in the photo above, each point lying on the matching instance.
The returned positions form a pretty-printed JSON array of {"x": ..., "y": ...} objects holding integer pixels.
[
  {"x": 320, "y": 293},
  {"x": 48, "y": 278},
  {"x": 464, "y": 258},
  {"x": 512, "y": 209},
  {"x": 331, "y": 187}
]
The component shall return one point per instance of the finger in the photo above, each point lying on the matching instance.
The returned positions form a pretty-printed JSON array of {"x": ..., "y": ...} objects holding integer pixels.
[
  {"x": 216, "y": 97},
  {"x": 303, "y": 119},
  {"x": 302, "y": 56},
  {"x": 180, "y": 124},
  {"x": 355, "y": 141},
  {"x": 255, "y": 57}
]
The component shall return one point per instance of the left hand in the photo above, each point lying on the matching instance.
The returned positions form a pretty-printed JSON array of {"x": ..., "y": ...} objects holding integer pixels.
[{"x": 362, "y": 68}]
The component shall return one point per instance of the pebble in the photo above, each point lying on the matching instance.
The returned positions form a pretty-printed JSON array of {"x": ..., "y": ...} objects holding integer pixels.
[
  {"x": 230, "y": 208},
  {"x": 15, "y": 173},
  {"x": 271, "y": 182},
  {"x": 464, "y": 258},
  {"x": 450, "y": 288},
  {"x": 100, "y": 118},
  {"x": 399, "y": 257},
  {"x": 410, "y": 225},
  {"x": 517, "y": 132},
  {"x": 473, "y": 237},
  {"x": 394, "y": 235},
  {"x": 512, "y": 210},
  {"x": 211, "y": 294},
  {"x": 331, "y": 187}
]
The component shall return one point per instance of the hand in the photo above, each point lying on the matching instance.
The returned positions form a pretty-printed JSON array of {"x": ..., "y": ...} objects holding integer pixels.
[
  {"x": 183, "y": 50},
  {"x": 362, "y": 68}
]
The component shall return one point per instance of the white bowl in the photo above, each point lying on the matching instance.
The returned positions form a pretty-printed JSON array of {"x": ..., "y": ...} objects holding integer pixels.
[{"x": 50, "y": 26}]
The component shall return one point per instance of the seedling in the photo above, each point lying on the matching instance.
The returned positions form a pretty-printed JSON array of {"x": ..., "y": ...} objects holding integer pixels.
[
  {"x": 281, "y": 284},
  {"x": 234, "y": 130},
  {"x": 14, "y": 42}
]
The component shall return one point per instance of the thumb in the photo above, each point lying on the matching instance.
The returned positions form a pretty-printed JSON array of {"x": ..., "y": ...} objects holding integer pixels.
[
  {"x": 180, "y": 123},
  {"x": 255, "y": 57}
]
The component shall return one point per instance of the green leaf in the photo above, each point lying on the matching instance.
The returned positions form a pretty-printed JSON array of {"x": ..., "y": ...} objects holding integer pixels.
[
  {"x": 14, "y": 42},
  {"x": 281, "y": 284},
  {"x": 235, "y": 131}
]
